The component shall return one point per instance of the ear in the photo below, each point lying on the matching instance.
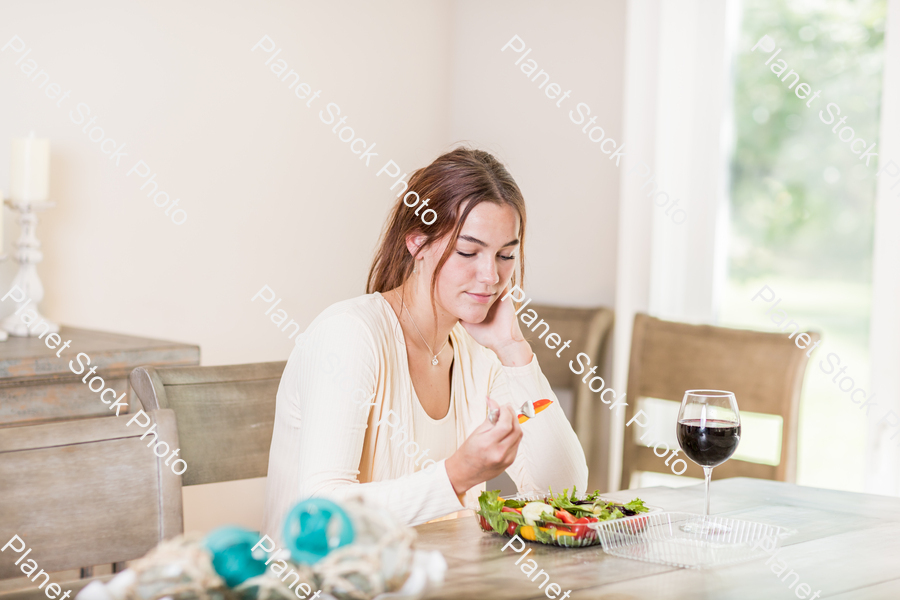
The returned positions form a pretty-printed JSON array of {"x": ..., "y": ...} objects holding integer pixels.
[{"x": 414, "y": 241}]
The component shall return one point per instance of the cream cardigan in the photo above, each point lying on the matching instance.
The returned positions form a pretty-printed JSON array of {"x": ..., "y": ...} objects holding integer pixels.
[{"x": 345, "y": 374}]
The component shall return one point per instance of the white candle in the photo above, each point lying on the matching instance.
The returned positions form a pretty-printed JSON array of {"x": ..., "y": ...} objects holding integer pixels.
[{"x": 30, "y": 170}]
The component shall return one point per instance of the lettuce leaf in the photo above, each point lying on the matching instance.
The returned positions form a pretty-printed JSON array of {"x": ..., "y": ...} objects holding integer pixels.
[
  {"x": 548, "y": 518},
  {"x": 566, "y": 502},
  {"x": 490, "y": 500},
  {"x": 514, "y": 517},
  {"x": 491, "y": 506},
  {"x": 593, "y": 496},
  {"x": 637, "y": 505},
  {"x": 605, "y": 514},
  {"x": 543, "y": 536}
]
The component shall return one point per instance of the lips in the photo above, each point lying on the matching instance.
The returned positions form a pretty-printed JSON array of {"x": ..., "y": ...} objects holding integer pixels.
[{"x": 483, "y": 298}]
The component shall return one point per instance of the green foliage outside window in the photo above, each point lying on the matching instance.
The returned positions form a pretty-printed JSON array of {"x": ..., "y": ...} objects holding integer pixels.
[{"x": 802, "y": 203}]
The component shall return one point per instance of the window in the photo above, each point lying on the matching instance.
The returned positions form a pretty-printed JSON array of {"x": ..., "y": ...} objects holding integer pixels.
[{"x": 802, "y": 205}]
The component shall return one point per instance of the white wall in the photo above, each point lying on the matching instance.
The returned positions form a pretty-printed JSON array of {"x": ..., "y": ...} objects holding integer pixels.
[
  {"x": 273, "y": 198},
  {"x": 570, "y": 186}
]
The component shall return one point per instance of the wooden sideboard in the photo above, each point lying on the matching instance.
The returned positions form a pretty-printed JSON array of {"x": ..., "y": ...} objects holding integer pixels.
[{"x": 37, "y": 386}]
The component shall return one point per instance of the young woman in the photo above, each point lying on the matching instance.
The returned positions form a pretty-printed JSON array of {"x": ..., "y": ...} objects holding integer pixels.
[{"x": 386, "y": 394}]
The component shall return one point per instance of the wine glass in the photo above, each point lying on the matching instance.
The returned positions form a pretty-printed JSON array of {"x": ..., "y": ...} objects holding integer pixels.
[{"x": 709, "y": 430}]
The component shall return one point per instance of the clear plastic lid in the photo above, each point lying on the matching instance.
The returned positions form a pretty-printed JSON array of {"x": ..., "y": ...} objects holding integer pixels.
[{"x": 688, "y": 540}]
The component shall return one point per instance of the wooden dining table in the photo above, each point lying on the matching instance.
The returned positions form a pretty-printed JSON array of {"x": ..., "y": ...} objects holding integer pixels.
[{"x": 847, "y": 547}]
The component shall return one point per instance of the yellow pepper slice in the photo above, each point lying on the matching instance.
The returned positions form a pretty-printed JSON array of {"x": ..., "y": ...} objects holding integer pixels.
[{"x": 527, "y": 532}]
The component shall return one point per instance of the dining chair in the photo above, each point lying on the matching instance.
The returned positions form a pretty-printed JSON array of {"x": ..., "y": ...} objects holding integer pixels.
[
  {"x": 84, "y": 492},
  {"x": 764, "y": 370},
  {"x": 588, "y": 329},
  {"x": 225, "y": 415}
]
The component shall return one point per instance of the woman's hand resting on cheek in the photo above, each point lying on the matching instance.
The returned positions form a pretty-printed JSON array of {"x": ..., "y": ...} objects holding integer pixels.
[
  {"x": 500, "y": 332},
  {"x": 487, "y": 452}
]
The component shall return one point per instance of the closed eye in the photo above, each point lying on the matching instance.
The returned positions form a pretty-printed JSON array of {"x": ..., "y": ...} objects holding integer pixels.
[{"x": 473, "y": 254}]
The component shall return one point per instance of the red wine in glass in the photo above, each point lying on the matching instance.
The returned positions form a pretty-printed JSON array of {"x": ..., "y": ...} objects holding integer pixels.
[
  {"x": 708, "y": 431},
  {"x": 708, "y": 443}
]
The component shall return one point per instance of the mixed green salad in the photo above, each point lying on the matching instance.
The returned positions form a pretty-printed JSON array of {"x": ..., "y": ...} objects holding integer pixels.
[{"x": 557, "y": 519}]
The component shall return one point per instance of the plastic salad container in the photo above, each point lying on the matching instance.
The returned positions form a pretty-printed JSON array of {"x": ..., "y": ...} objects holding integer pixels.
[
  {"x": 511, "y": 521},
  {"x": 690, "y": 541}
]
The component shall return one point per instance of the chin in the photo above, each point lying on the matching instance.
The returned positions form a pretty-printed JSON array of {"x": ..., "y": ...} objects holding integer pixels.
[{"x": 473, "y": 314}]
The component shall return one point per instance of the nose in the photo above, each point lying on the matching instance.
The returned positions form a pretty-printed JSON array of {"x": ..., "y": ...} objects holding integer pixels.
[{"x": 488, "y": 272}]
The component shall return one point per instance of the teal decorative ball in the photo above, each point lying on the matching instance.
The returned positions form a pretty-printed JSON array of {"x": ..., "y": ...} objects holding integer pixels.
[
  {"x": 232, "y": 554},
  {"x": 315, "y": 527}
]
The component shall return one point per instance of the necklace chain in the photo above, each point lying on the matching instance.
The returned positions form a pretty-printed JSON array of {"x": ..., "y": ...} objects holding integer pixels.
[{"x": 434, "y": 357}]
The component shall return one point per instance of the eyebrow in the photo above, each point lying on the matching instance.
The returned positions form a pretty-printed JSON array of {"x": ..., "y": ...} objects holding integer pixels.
[{"x": 469, "y": 238}]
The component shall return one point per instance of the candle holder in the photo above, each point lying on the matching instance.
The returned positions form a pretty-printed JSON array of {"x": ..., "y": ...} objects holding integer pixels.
[{"x": 28, "y": 254}]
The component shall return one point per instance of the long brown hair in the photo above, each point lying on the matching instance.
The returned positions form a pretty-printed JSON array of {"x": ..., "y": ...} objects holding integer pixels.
[{"x": 460, "y": 177}]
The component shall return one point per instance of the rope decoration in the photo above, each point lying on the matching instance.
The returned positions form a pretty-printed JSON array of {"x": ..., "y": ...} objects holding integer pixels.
[
  {"x": 268, "y": 587},
  {"x": 361, "y": 572},
  {"x": 179, "y": 568},
  {"x": 377, "y": 558}
]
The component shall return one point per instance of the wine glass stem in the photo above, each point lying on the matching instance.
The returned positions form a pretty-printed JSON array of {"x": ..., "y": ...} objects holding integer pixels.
[{"x": 708, "y": 472}]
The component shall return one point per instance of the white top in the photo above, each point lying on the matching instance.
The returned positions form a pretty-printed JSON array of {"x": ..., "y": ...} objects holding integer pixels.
[
  {"x": 350, "y": 371},
  {"x": 436, "y": 438}
]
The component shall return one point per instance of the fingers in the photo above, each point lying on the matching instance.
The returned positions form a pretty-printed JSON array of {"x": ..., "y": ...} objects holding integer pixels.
[
  {"x": 510, "y": 448},
  {"x": 501, "y": 456},
  {"x": 513, "y": 418},
  {"x": 493, "y": 410},
  {"x": 501, "y": 438},
  {"x": 490, "y": 419},
  {"x": 495, "y": 447},
  {"x": 508, "y": 429},
  {"x": 505, "y": 421}
]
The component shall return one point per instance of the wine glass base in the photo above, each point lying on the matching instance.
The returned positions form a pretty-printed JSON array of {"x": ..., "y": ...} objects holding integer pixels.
[{"x": 705, "y": 528}]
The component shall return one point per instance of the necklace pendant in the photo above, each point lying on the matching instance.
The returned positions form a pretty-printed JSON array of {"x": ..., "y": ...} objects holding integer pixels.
[{"x": 434, "y": 361}]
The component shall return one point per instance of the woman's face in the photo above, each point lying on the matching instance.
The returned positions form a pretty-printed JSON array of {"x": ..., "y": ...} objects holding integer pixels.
[{"x": 481, "y": 263}]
